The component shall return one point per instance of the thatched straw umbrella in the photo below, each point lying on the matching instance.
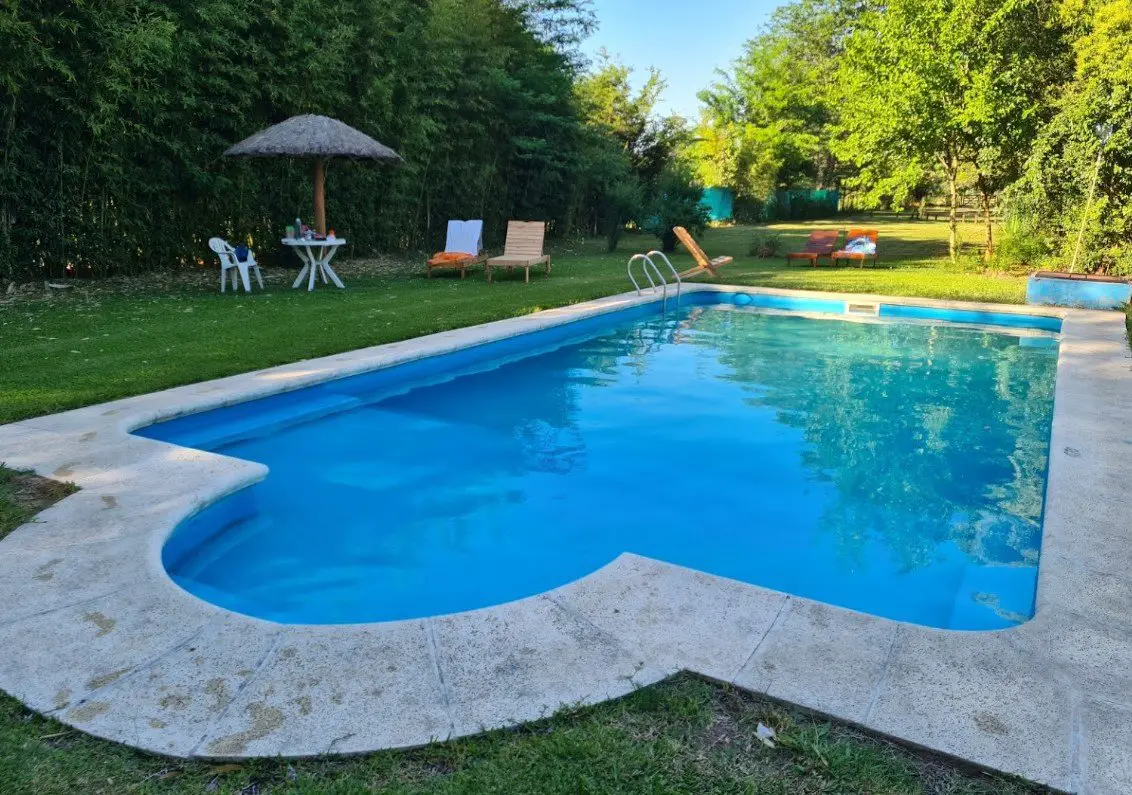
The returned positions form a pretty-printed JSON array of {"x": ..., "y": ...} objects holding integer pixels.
[{"x": 317, "y": 137}]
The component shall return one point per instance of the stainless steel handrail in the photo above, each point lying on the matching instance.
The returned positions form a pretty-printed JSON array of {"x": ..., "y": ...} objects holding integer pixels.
[
  {"x": 675, "y": 273},
  {"x": 647, "y": 263}
]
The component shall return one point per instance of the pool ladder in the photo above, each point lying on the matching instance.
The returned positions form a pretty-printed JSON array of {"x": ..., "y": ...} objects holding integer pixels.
[{"x": 649, "y": 268}]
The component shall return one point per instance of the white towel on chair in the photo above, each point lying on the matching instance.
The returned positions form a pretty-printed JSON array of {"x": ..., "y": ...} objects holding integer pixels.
[{"x": 465, "y": 236}]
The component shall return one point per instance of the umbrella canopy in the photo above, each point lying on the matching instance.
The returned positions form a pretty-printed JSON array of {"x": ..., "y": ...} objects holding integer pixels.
[{"x": 317, "y": 137}]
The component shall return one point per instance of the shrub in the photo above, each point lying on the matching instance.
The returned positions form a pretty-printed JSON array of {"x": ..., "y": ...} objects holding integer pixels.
[
  {"x": 1015, "y": 250},
  {"x": 787, "y": 205},
  {"x": 1020, "y": 244},
  {"x": 676, "y": 203},
  {"x": 765, "y": 244},
  {"x": 620, "y": 204}
]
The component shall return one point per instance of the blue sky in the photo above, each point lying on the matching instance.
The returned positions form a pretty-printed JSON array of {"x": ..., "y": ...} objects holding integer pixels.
[{"x": 685, "y": 39}]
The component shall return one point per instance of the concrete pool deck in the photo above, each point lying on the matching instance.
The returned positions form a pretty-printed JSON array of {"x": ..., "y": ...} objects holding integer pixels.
[{"x": 94, "y": 633}]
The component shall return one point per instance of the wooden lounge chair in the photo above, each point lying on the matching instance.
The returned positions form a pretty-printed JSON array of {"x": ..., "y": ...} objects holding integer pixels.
[
  {"x": 522, "y": 249},
  {"x": 821, "y": 243},
  {"x": 463, "y": 248},
  {"x": 703, "y": 264},
  {"x": 871, "y": 234}
]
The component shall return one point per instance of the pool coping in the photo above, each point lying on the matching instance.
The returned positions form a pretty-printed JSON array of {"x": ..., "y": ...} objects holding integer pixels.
[{"x": 94, "y": 633}]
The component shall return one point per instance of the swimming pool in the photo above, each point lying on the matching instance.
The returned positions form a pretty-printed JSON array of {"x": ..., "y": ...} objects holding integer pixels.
[{"x": 890, "y": 462}]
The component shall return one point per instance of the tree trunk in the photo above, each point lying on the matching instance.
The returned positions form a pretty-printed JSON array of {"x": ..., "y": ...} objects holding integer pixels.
[
  {"x": 985, "y": 195},
  {"x": 7, "y": 255},
  {"x": 953, "y": 205},
  {"x": 989, "y": 251}
]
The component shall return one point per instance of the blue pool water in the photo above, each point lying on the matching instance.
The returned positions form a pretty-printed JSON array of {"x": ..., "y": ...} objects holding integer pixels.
[{"x": 896, "y": 468}]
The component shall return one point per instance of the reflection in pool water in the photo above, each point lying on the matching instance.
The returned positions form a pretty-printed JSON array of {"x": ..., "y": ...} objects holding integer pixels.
[{"x": 893, "y": 468}]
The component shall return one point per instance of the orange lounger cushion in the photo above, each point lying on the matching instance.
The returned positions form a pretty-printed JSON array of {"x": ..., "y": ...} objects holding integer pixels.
[{"x": 449, "y": 258}]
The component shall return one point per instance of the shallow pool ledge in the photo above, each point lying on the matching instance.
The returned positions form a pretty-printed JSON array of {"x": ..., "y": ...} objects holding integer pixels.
[{"x": 94, "y": 633}]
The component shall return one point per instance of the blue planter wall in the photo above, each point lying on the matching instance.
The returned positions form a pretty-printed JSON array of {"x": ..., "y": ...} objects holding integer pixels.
[{"x": 1079, "y": 293}]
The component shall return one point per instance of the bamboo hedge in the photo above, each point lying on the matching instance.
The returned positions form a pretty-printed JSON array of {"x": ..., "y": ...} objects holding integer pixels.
[{"x": 114, "y": 115}]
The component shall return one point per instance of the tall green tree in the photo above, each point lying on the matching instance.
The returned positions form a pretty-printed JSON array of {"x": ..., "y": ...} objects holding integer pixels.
[
  {"x": 676, "y": 201},
  {"x": 766, "y": 123},
  {"x": 607, "y": 100},
  {"x": 645, "y": 143},
  {"x": 1051, "y": 198},
  {"x": 1011, "y": 96},
  {"x": 608, "y": 103},
  {"x": 949, "y": 83}
]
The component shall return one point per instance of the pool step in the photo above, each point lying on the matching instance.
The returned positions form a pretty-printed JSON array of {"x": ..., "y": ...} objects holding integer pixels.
[
  {"x": 852, "y": 308},
  {"x": 994, "y": 596},
  {"x": 258, "y": 423}
]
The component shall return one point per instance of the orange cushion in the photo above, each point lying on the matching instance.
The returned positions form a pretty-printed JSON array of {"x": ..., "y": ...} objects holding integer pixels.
[{"x": 449, "y": 258}]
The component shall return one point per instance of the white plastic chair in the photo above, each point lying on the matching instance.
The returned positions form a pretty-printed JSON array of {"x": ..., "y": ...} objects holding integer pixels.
[{"x": 228, "y": 262}]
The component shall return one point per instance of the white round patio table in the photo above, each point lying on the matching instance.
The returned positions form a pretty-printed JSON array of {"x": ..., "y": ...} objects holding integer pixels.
[{"x": 316, "y": 256}]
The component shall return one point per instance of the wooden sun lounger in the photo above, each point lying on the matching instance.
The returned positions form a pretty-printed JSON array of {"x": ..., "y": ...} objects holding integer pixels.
[
  {"x": 703, "y": 264},
  {"x": 463, "y": 263},
  {"x": 451, "y": 245},
  {"x": 522, "y": 249},
  {"x": 821, "y": 243},
  {"x": 848, "y": 256}
]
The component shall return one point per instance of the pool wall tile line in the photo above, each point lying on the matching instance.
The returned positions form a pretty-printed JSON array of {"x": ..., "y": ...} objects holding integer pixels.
[{"x": 93, "y": 631}]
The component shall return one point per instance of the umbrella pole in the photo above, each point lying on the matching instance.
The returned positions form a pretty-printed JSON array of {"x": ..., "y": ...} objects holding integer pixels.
[{"x": 319, "y": 175}]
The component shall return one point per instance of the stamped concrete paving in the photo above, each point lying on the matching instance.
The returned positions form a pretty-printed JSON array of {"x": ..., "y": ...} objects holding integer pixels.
[{"x": 94, "y": 633}]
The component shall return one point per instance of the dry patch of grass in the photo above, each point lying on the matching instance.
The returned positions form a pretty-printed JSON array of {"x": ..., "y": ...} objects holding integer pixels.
[{"x": 24, "y": 494}]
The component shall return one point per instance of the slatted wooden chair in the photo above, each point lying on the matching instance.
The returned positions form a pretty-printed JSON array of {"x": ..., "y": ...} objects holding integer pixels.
[
  {"x": 703, "y": 264},
  {"x": 821, "y": 243},
  {"x": 857, "y": 256},
  {"x": 522, "y": 249}
]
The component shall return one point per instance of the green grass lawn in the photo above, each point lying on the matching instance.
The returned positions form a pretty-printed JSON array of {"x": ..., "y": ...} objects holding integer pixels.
[
  {"x": 681, "y": 736},
  {"x": 86, "y": 345},
  {"x": 93, "y": 343}
]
